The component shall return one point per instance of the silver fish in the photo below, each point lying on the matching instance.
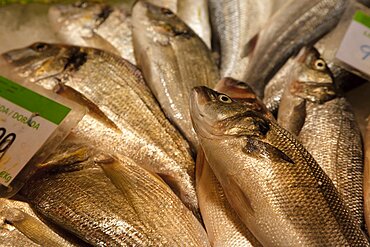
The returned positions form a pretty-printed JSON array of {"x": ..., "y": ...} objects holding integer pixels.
[
  {"x": 173, "y": 60},
  {"x": 95, "y": 25},
  {"x": 124, "y": 116},
  {"x": 367, "y": 177},
  {"x": 234, "y": 23},
  {"x": 295, "y": 25},
  {"x": 276, "y": 187},
  {"x": 137, "y": 209}
]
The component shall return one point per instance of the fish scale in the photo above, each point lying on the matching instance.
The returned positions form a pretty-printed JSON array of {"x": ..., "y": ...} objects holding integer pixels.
[
  {"x": 278, "y": 190},
  {"x": 117, "y": 89}
]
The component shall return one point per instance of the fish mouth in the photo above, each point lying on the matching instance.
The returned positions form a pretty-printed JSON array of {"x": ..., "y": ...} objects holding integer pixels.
[{"x": 203, "y": 126}]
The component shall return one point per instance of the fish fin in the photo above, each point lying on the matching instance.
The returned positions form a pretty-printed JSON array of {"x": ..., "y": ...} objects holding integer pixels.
[
  {"x": 99, "y": 42},
  {"x": 199, "y": 164},
  {"x": 94, "y": 110},
  {"x": 249, "y": 47},
  {"x": 238, "y": 197},
  {"x": 256, "y": 148}
]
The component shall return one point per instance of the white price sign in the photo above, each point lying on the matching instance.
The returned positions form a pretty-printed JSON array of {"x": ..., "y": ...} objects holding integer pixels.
[
  {"x": 355, "y": 47},
  {"x": 27, "y": 119}
]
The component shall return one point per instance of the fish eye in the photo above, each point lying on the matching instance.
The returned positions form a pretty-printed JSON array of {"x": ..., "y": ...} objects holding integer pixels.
[
  {"x": 40, "y": 46},
  {"x": 225, "y": 99},
  {"x": 167, "y": 12},
  {"x": 320, "y": 64}
]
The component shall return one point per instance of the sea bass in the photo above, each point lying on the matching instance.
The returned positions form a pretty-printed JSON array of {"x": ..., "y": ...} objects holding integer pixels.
[
  {"x": 276, "y": 187},
  {"x": 294, "y": 25},
  {"x": 224, "y": 228},
  {"x": 95, "y": 25},
  {"x": 75, "y": 193},
  {"x": 234, "y": 23},
  {"x": 325, "y": 124},
  {"x": 173, "y": 60},
  {"x": 193, "y": 13},
  {"x": 124, "y": 116}
]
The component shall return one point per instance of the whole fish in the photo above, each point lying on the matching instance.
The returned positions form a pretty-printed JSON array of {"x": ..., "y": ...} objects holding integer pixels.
[
  {"x": 75, "y": 193},
  {"x": 326, "y": 126},
  {"x": 193, "y": 13},
  {"x": 124, "y": 116},
  {"x": 95, "y": 25},
  {"x": 367, "y": 177},
  {"x": 276, "y": 187},
  {"x": 234, "y": 23},
  {"x": 173, "y": 60},
  {"x": 21, "y": 227},
  {"x": 224, "y": 228},
  {"x": 294, "y": 25}
]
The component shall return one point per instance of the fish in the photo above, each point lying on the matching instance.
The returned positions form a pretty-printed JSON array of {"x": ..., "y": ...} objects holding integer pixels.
[
  {"x": 74, "y": 189},
  {"x": 326, "y": 126},
  {"x": 223, "y": 225},
  {"x": 173, "y": 60},
  {"x": 193, "y": 13},
  {"x": 366, "y": 184},
  {"x": 97, "y": 25},
  {"x": 234, "y": 23},
  {"x": 293, "y": 26},
  {"x": 114, "y": 89},
  {"x": 275, "y": 87},
  {"x": 278, "y": 190},
  {"x": 20, "y": 226}
]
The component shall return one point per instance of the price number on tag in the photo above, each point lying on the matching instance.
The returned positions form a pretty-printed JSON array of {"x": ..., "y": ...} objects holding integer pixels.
[{"x": 6, "y": 140}]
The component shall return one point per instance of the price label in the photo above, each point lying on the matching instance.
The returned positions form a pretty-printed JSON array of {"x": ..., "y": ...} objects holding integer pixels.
[
  {"x": 355, "y": 47},
  {"x": 27, "y": 119}
]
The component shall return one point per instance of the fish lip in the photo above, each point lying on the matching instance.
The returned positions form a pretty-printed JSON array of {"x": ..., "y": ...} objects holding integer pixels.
[{"x": 197, "y": 95}]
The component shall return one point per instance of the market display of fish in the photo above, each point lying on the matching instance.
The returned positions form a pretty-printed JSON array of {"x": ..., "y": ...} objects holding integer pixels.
[
  {"x": 276, "y": 187},
  {"x": 193, "y": 13},
  {"x": 234, "y": 23},
  {"x": 95, "y": 25},
  {"x": 325, "y": 123},
  {"x": 173, "y": 60},
  {"x": 122, "y": 98},
  {"x": 159, "y": 158},
  {"x": 120, "y": 204},
  {"x": 285, "y": 34}
]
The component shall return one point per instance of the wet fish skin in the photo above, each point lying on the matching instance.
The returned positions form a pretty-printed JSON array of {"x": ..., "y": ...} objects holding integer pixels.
[
  {"x": 95, "y": 25},
  {"x": 234, "y": 23},
  {"x": 273, "y": 183},
  {"x": 20, "y": 226},
  {"x": 193, "y": 13},
  {"x": 284, "y": 35},
  {"x": 223, "y": 225},
  {"x": 79, "y": 197},
  {"x": 173, "y": 61},
  {"x": 329, "y": 131},
  {"x": 117, "y": 89}
]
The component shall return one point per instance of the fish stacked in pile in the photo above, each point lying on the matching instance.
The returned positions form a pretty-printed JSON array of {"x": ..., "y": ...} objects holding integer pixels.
[{"x": 276, "y": 165}]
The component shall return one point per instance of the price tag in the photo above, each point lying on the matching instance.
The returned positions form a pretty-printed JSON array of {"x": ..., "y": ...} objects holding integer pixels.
[
  {"x": 355, "y": 47},
  {"x": 27, "y": 119}
]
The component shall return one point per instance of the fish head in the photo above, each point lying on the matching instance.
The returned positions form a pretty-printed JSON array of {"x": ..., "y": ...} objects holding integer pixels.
[
  {"x": 162, "y": 21},
  {"x": 83, "y": 16},
  {"x": 216, "y": 115},
  {"x": 42, "y": 60},
  {"x": 312, "y": 79}
]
